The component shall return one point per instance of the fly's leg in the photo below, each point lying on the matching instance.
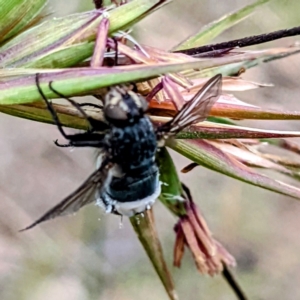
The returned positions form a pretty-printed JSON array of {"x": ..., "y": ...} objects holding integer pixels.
[
  {"x": 94, "y": 124},
  {"x": 87, "y": 139}
]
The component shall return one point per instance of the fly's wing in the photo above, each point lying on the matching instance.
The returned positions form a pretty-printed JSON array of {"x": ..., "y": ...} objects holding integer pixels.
[
  {"x": 194, "y": 111},
  {"x": 82, "y": 196}
]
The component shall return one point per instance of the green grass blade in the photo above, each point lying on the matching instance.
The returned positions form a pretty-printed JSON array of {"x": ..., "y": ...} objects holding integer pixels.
[
  {"x": 15, "y": 15},
  {"x": 214, "y": 29}
]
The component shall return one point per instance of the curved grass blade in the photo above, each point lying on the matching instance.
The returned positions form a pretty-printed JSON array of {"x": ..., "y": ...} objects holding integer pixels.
[
  {"x": 255, "y": 158},
  {"x": 212, "y": 30},
  {"x": 205, "y": 154}
]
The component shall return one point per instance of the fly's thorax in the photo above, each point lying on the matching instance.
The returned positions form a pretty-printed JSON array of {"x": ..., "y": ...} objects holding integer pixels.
[
  {"x": 132, "y": 146},
  {"x": 123, "y": 107}
]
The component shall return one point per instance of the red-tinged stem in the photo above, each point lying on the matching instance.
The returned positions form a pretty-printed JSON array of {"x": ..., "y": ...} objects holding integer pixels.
[{"x": 100, "y": 45}]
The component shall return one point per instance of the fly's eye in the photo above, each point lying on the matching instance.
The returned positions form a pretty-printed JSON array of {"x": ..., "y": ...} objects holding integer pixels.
[
  {"x": 115, "y": 112},
  {"x": 139, "y": 101},
  {"x": 115, "y": 108}
]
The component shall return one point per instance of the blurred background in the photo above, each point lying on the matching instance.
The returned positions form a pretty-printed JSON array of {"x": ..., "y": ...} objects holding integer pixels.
[{"x": 89, "y": 256}]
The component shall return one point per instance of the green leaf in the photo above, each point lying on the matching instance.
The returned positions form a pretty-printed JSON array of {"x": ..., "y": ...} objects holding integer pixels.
[
  {"x": 63, "y": 42},
  {"x": 63, "y": 58},
  {"x": 220, "y": 120},
  {"x": 212, "y": 30},
  {"x": 208, "y": 130},
  {"x": 68, "y": 116},
  {"x": 15, "y": 15},
  {"x": 171, "y": 189},
  {"x": 84, "y": 81}
]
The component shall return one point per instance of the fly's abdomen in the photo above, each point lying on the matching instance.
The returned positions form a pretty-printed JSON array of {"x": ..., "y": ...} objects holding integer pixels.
[
  {"x": 131, "y": 194},
  {"x": 131, "y": 188}
]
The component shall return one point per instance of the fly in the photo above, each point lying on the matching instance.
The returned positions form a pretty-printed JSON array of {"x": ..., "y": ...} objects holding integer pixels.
[{"x": 126, "y": 179}]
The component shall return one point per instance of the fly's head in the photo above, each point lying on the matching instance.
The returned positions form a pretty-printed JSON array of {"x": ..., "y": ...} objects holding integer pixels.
[{"x": 123, "y": 107}]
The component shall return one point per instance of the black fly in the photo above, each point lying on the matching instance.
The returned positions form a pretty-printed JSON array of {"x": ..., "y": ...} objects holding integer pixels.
[{"x": 126, "y": 180}]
